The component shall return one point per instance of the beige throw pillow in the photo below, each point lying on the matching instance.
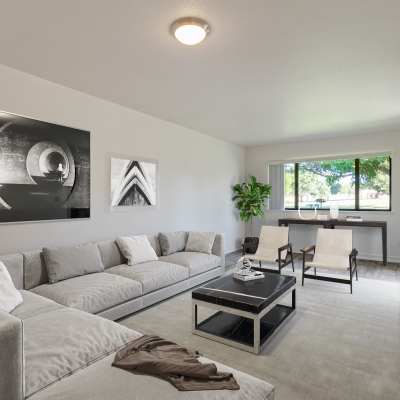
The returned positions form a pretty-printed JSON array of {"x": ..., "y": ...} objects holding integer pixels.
[{"x": 136, "y": 249}]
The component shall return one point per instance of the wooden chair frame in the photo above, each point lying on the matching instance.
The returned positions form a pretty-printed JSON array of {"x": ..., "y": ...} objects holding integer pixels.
[
  {"x": 352, "y": 269},
  {"x": 281, "y": 262}
]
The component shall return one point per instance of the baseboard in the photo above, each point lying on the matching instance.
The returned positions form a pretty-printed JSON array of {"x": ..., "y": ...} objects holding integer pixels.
[
  {"x": 377, "y": 257},
  {"x": 233, "y": 252}
]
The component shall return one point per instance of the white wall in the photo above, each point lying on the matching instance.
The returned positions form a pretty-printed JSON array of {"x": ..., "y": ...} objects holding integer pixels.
[
  {"x": 196, "y": 171},
  {"x": 368, "y": 241}
]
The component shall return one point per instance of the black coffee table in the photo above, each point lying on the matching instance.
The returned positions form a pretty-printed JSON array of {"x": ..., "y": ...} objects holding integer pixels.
[{"x": 248, "y": 313}]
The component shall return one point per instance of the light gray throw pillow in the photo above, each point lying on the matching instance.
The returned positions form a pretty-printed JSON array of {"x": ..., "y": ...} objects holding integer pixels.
[
  {"x": 201, "y": 242},
  {"x": 67, "y": 262},
  {"x": 172, "y": 242},
  {"x": 136, "y": 249}
]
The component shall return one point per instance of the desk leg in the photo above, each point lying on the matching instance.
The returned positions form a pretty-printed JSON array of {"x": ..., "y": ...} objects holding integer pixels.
[{"x": 384, "y": 245}]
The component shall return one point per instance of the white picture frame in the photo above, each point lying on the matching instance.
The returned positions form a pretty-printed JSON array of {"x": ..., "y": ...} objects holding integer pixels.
[{"x": 133, "y": 181}]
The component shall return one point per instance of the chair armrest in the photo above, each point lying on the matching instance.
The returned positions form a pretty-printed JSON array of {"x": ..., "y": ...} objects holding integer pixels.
[
  {"x": 308, "y": 249},
  {"x": 285, "y": 247},
  {"x": 11, "y": 357},
  {"x": 353, "y": 253}
]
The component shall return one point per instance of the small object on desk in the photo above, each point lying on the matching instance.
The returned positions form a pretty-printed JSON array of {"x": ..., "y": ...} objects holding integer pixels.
[
  {"x": 307, "y": 218},
  {"x": 354, "y": 218},
  {"x": 334, "y": 212}
]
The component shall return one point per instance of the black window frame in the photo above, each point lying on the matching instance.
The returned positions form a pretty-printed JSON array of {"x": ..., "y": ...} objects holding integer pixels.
[{"x": 356, "y": 189}]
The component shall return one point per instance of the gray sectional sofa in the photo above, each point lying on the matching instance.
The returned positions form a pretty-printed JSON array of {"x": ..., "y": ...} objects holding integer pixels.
[{"x": 53, "y": 346}]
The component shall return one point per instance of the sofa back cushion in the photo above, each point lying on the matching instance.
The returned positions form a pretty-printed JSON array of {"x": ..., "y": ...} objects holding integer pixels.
[
  {"x": 68, "y": 262},
  {"x": 15, "y": 266},
  {"x": 35, "y": 272},
  {"x": 201, "y": 242},
  {"x": 155, "y": 243},
  {"x": 110, "y": 253},
  {"x": 172, "y": 242}
]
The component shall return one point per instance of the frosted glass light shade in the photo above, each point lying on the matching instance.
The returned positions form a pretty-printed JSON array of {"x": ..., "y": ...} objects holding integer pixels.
[{"x": 189, "y": 30}]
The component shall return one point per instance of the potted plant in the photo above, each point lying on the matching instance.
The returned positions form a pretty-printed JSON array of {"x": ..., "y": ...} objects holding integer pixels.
[{"x": 249, "y": 198}]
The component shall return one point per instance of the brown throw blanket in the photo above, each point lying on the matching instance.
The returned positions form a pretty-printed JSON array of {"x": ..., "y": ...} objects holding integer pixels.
[{"x": 151, "y": 355}]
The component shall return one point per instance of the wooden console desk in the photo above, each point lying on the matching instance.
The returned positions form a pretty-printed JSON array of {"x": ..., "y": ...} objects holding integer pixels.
[{"x": 332, "y": 223}]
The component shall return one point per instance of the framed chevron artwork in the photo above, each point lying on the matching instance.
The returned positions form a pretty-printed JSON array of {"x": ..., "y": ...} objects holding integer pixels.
[{"x": 133, "y": 182}]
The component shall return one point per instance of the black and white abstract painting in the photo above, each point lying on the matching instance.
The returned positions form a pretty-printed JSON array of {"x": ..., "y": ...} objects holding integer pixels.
[
  {"x": 133, "y": 182},
  {"x": 44, "y": 170}
]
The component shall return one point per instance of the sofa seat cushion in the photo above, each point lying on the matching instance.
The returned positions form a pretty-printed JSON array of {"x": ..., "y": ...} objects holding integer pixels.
[
  {"x": 195, "y": 262},
  {"x": 152, "y": 275},
  {"x": 101, "y": 381},
  {"x": 60, "y": 342},
  {"x": 92, "y": 293},
  {"x": 33, "y": 305}
]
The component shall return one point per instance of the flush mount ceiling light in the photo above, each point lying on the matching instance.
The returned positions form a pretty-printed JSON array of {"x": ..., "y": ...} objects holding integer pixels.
[{"x": 190, "y": 30}]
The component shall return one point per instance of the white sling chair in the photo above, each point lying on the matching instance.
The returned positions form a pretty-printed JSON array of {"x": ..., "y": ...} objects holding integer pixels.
[
  {"x": 273, "y": 246},
  {"x": 333, "y": 250}
]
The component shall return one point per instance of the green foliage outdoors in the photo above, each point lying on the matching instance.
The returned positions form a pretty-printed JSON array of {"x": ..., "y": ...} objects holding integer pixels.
[
  {"x": 250, "y": 198},
  {"x": 373, "y": 171},
  {"x": 324, "y": 178}
]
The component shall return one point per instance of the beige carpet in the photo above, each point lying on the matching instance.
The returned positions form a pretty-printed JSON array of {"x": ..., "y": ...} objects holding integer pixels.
[{"x": 336, "y": 346}]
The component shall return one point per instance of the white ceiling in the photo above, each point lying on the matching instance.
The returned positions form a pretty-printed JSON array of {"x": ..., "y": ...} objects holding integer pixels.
[{"x": 271, "y": 70}]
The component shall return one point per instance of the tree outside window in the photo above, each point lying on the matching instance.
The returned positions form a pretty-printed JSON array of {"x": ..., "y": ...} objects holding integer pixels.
[{"x": 349, "y": 184}]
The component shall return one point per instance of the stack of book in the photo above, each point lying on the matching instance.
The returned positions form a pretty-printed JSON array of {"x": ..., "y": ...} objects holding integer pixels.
[{"x": 247, "y": 275}]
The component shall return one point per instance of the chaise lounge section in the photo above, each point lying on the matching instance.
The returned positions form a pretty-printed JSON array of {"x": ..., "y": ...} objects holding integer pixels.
[{"x": 54, "y": 352}]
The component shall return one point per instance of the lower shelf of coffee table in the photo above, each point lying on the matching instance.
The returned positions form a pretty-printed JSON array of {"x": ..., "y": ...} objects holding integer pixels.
[{"x": 240, "y": 329}]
